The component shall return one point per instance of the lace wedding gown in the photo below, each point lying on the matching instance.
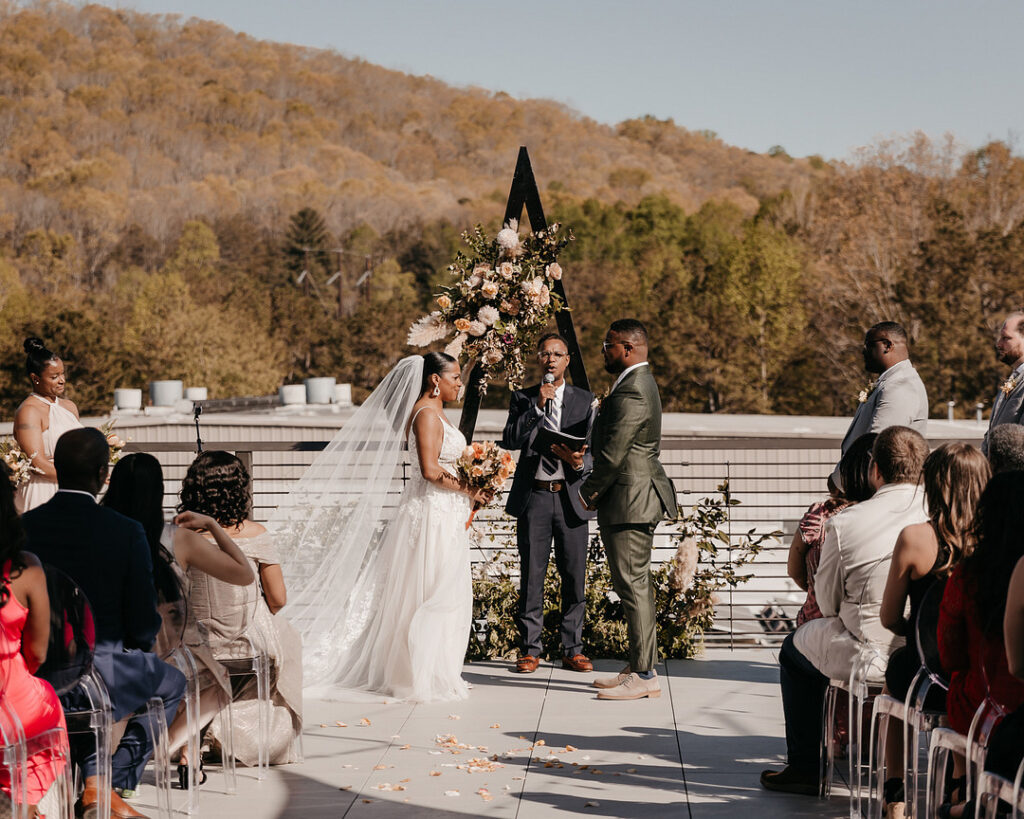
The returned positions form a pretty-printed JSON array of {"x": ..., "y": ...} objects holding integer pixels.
[{"x": 418, "y": 623}]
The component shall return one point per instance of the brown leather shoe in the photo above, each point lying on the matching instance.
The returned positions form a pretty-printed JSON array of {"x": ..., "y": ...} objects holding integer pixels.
[
  {"x": 577, "y": 663},
  {"x": 527, "y": 664},
  {"x": 88, "y": 805}
]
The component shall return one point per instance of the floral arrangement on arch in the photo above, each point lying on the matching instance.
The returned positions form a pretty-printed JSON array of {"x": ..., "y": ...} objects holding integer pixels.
[{"x": 500, "y": 302}]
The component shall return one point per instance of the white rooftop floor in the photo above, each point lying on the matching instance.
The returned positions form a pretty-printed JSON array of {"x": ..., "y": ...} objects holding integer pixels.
[{"x": 695, "y": 752}]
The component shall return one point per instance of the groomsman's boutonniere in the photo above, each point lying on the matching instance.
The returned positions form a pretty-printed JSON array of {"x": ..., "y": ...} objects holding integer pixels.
[
  {"x": 599, "y": 399},
  {"x": 1010, "y": 384},
  {"x": 862, "y": 396}
]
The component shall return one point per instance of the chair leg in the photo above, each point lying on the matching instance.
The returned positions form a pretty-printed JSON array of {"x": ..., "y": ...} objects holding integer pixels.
[
  {"x": 103, "y": 727},
  {"x": 227, "y": 747},
  {"x": 262, "y": 663},
  {"x": 186, "y": 663},
  {"x": 827, "y": 754},
  {"x": 161, "y": 755}
]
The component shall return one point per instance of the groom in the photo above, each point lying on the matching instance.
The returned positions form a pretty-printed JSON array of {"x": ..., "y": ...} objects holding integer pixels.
[{"x": 631, "y": 492}]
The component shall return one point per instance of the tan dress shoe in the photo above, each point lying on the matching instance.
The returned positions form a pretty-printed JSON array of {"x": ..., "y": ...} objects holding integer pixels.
[
  {"x": 612, "y": 682},
  {"x": 527, "y": 664},
  {"x": 577, "y": 663},
  {"x": 88, "y": 805},
  {"x": 634, "y": 687}
]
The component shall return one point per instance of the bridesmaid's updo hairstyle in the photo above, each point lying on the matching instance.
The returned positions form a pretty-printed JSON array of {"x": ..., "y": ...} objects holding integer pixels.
[
  {"x": 217, "y": 484},
  {"x": 434, "y": 364},
  {"x": 37, "y": 356}
]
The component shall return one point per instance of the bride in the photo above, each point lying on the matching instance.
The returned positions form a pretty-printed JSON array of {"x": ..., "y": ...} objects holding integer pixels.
[{"x": 385, "y": 600}]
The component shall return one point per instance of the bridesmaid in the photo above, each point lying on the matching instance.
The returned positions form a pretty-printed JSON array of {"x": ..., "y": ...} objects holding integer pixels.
[{"x": 40, "y": 420}]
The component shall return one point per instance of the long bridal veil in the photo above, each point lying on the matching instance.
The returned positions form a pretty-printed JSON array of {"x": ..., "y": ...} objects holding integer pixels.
[{"x": 331, "y": 524}]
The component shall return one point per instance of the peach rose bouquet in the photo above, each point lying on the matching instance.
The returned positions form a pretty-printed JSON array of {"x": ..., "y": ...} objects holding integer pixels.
[
  {"x": 502, "y": 298},
  {"x": 485, "y": 465}
]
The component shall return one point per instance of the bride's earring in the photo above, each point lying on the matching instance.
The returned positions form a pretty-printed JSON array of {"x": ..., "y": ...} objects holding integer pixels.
[{"x": 436, "y": 392}]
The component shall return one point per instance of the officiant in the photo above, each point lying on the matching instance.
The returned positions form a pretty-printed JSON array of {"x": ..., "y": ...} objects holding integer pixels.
[{"x": 550, "y": 423}]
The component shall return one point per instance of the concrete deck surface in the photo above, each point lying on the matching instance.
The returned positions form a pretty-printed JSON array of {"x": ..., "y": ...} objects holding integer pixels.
[{"x": 539, "y": 746}]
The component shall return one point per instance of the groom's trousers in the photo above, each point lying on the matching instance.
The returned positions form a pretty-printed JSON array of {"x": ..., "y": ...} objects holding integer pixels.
[{"x": 628, "y": 546}]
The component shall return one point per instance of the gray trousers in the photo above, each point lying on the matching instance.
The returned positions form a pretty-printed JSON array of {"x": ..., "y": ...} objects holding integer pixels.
[
  {"x": 549, "y": 517},
  {"x": 628, "y": 547}
]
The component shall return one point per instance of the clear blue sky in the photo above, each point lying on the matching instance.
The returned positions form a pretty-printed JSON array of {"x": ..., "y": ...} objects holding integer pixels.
[{"x": 815, "y": 76}]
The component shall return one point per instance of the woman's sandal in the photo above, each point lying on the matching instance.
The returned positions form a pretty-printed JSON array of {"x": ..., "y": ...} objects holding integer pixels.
[{"x": 183, "y": 776}]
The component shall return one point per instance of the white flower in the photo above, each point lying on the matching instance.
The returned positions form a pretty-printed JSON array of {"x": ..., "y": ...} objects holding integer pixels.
[
  {"x": 427, "y": 330},
  {"x": 554, "y": 271},
  {"x": 488, "y": 315},
  {"x": 473, "y": 281},
  {"x": 862, "y": 396},
  {"x": 489, "y": 289},
  {"x": 508, "y": 238},
  {"x": 506, "y": 270},
  {"x": 1010, "y": 384},
  {"x": 454, "y": 348},
  {"x": 477, "y": 328},
  {"x": 492, "y": 356},
  {"x": 482, "y": 271},
  {"x": 531, "y": 287}
]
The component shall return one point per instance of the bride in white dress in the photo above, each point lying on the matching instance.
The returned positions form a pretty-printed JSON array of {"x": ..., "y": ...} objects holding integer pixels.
[{"x": 384, "y": 600}]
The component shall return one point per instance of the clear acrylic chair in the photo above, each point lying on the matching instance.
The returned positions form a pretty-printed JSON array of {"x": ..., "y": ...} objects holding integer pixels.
[
  {"x": 61, "y": 796},
  {"x": 69, "y": 669},
  {"x": 946, "y": 741},
  {"x": 862, "y": 687},
  {"x": 13, "y": 759},
  {"x": 993, "y": 789},
  {"x": 170, "y": 647},
  {"x": 911, "y": 711}
]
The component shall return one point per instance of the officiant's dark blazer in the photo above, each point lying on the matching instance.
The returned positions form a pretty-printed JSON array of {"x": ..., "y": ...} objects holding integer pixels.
[{"x": 523, "y": 418}]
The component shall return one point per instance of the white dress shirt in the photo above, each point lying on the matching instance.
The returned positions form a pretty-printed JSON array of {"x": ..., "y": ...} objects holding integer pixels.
[
  {"x": 556, "y": 423},
  {"x": 624, "y": 373}
]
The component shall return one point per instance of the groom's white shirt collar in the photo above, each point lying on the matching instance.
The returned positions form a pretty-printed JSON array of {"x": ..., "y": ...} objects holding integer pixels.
[{"x": 624, "y": 373}]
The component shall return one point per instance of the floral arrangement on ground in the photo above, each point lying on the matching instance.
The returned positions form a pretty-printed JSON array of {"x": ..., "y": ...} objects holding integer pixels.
[
  {"x": 685, "y": 590},
  {"x": 500, "y": 302}
]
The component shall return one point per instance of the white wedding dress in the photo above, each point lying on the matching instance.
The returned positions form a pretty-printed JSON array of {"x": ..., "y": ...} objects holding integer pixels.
[
  {"x": 379, "y": 590},
  {"x": 415, "y": 643}
]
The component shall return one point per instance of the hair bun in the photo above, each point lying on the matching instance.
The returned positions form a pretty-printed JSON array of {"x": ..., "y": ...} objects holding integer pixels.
[{"x": 33, "y": 344}]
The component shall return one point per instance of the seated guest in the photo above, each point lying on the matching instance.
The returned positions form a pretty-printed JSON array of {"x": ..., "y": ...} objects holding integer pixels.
[
  {"x": 217, "y": 485},
  {"x": 955, "y": 475},
  {"x": 106, "y": 554},
  {"x": 974, "y": 604},
  {"x": 848, "y": 585},
  {"x": 24, "y": 636},
  {"x": 1006, "y": 745},
  {"x": 1006, "y": 448},
  {"x": 136, "y": 490},
  {"x": 805, "y": 550}
]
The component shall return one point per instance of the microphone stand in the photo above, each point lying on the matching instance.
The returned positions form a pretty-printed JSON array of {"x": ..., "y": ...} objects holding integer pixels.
[{"x": 197, "y": 410}]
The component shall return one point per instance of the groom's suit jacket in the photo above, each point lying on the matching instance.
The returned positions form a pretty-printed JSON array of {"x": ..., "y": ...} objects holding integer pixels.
[
  {"x": 1007, "y": 407},
  {"x": 523, "y": 420},
  {"x": 899, "y": 399},
  {"x": 628, "y": 484}
]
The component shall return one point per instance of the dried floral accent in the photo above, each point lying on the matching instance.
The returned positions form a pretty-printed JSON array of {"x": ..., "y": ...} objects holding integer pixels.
[
  {"x": 862, "y": 396},
  {"x": 17, "y": 462},
  {"x": 1010, "y": 384},
  {"x": 114, "y": 441},
  {"x": 500, "y": 301}
]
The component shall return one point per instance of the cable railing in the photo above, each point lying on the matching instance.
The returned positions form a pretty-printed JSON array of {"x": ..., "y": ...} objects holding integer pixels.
[{"x": 773, "y": 480}]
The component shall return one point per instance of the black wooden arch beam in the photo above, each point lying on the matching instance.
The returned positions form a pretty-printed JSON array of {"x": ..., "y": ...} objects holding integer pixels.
[{"x": 524, "y": 192}]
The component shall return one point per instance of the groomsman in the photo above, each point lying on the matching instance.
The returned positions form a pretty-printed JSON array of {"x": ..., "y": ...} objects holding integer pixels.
[
  {"x": 896, "y": 397},
  {"x": 1008, "y": 405},
  {"x": 545, "y": 501},
  {"x": 631, "y": 492}
]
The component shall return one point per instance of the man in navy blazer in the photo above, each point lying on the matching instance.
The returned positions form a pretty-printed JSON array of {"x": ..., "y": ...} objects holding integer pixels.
[
  {"x": 545, "y": 501},
  {"x": 108, "y": 556}
]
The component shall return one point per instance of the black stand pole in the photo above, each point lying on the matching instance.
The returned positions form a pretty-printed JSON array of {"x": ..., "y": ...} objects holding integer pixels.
[{"x": 197, "y": 410}]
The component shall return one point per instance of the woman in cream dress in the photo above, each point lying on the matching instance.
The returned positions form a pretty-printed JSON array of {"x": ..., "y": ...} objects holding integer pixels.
[{"x": 40, "y": 420}]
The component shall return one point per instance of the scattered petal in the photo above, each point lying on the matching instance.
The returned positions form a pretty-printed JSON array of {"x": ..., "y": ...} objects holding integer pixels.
[
  {"x": 405, "y": 747},
  {"x": 570, "y": 748},
  {"x": 592, "y": 805},
  {"x": 345, "y": 788},
  {"x": 539, "y": 742},
  {"x": 341, "y": 724},
  {"x": 434, "y": 773},
  {"x": 454, "y": 716},
  {"x": 365, "y": 721},
  {"x": 323, "y": 724},
  {"x": 496, "y": 725},
  {"x": 451, "y": 793}
]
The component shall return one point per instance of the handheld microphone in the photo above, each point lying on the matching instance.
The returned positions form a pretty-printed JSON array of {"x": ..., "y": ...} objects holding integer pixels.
[{"x": 548, "y": 378}]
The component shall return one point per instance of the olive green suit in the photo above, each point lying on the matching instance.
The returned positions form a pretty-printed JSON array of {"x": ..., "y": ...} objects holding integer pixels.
[{"x": 631, "y": 492}]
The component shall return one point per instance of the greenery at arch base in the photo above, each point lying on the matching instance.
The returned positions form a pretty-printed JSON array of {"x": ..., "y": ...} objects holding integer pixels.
[{"x": 684, "y": 590}]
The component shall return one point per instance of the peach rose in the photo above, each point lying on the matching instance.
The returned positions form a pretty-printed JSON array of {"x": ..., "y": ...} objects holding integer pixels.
[
  {"x": 489, "y": 289},
  {"x": 462, "y": 325},
  {"x": 554, "y": 271},
  {"x": 444, "y": 302}
]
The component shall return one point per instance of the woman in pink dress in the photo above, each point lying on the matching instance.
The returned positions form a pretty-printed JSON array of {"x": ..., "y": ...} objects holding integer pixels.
[
  {"x": 24, "y": 635},
  {"x": 40, "y": 420}
]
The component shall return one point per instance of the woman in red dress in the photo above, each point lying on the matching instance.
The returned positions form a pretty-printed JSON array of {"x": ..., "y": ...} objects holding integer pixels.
[
  {"x": 24, "y": 635},
  {"x": 971, "y": 643}
]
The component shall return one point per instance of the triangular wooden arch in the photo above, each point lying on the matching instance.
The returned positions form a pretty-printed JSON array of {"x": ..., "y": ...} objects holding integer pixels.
[{"x": 524, "y": 192}]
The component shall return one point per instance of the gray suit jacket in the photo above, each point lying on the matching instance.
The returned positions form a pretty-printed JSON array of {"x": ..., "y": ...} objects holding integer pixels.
[
  {"x": 899, "y": 399},
  {"x": 1006, "y": 409}
]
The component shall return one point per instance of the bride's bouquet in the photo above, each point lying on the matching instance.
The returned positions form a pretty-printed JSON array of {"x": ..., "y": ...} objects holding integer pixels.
[
  {"x": 17, "y": 461},
  {"x": 485, "y": 465}
]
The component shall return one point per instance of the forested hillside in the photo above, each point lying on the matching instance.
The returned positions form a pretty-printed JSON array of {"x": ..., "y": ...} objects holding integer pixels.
[{"x": 164, "y": 182}]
